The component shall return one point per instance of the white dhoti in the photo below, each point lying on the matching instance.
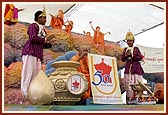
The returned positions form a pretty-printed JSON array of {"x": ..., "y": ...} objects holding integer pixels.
[
  {"x": 131, "y": 79},
  {"x": 30, "y": 69}
]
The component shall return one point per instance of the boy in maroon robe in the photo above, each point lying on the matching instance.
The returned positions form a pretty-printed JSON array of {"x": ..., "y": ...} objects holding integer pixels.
[{"x": 133, "y": 70}]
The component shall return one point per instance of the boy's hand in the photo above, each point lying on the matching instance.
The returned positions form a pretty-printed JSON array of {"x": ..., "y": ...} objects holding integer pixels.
[{"x": 50, "y": 37}]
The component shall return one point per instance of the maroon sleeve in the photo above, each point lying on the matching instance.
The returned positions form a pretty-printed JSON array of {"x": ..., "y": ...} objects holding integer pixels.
[
  {"x": 33, "y": 32},
  {"x": 137, "y": 56}
]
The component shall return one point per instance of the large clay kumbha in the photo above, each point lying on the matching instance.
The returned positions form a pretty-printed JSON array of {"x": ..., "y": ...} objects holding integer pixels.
[{"x": 69, "y": 84}]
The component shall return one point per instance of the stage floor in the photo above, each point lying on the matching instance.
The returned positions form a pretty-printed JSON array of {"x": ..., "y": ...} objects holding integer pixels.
[{"x": 83, "y": 108}]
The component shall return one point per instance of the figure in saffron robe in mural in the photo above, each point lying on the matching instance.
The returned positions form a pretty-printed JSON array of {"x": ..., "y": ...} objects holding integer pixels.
[
  {"x": 68, "y": 26},
  {"x": 11, "y": 14},
  {"x": 81, "y": 57},
  {"x": 89, "y": 37},
  {"x": 57, "y": 21},
  {"x": 133, "y": 70},
  {"x": 98, "y": 37}
]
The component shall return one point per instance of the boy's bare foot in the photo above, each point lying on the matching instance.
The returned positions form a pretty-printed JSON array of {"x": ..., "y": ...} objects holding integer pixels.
[{"x": 26, "y": 101}]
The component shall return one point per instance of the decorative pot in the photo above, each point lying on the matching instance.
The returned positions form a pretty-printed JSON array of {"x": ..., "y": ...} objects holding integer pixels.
[{"x": 69, "y": 84}]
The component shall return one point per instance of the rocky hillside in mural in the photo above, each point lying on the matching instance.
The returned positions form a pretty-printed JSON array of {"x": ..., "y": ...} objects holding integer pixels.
[{"x": 15, "y": 38}]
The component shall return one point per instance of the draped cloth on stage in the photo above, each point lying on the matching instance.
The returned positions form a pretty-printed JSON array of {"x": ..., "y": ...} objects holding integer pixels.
[{"x": 153, "y": 61}]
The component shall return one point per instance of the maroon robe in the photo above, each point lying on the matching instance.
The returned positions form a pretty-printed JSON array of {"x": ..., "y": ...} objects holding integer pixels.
[
  {"x": 34, "y": 46},
  {"x": 136, "y": 65}
]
